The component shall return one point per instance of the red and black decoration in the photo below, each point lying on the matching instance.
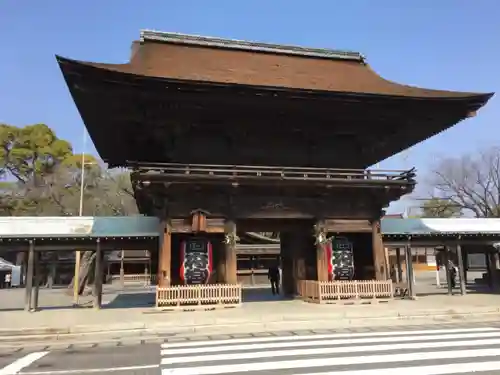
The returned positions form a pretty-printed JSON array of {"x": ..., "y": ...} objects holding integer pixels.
[
  {"x": 340, "y": 259},
  {"x": 196, "y": 261}
]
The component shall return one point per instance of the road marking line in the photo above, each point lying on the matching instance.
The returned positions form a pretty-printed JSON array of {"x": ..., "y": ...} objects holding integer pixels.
[
  {"x": 21, "y": 363},
  {"x": 323, "y": 336},
  {"x": 455, "y": 368},
  {"x": 335, "y": 361},
  {"x": 334, "y": 350},
  {"x": 349, "y": 341},
  {"x": 90, "y": 371}
]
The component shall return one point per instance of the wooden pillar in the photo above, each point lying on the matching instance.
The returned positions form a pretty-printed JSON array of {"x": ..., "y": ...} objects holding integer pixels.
[
  {"x": 321, "y": 235},
  {"x": 287, "y": 264},
  {"x": 252, "y": 269},
  {"x": 98, "y": 270},
  {"x": 399, "y": 270},
  {"x": 379, "y": 263},
  {"x": 150, "y": 270},
  {"x": 300, "y": 240},
  {"x": 122, "y": 269},
  {"x": 387, "y": 262},
  {"x": 51, "y": 277},
  {"x": 461, "y": 271},
  {"x": 37, "y": 280},
  {"x": 164, "y": 263},
  {"x": 465, "y": 261},
  {"x": 409, "y": 272},
  {"x": 488, "y": 270},
  {"x": 230, "y": 241},
  {"x": 493, "y": 267},
  {"x": 221, "y": 263},
  {"x": 29, "y": 276},
  {"x": 448, "y": 271}
]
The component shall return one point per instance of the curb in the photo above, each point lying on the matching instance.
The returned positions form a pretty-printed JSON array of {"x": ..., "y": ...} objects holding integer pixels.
[
  {"x": 142, "y": 329},
  {"x": 83, "y": 329}
]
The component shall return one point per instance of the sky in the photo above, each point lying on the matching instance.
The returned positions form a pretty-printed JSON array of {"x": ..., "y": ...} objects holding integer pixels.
[{"x": 441, "y": 44}]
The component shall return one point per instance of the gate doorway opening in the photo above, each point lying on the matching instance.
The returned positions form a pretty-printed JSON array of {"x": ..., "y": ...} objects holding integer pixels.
[{"x": 201, "y": 254}]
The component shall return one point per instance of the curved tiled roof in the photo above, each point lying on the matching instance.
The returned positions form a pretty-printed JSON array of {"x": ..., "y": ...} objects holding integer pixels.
[
  {"x": 175, "y": 78},
  {"x": 196, "y": 58}
]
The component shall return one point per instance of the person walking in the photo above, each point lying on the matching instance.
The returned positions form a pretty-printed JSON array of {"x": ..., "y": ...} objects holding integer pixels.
[
  {"x": 274, "y": 278},
  {"x": 453, "y": 273}
]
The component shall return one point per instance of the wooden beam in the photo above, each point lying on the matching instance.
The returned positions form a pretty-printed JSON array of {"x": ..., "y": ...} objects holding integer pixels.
[
  {"x": 215, "y": 230},
  {"x": 348, "y": 225},
  {"x": 57, "y": 245}
]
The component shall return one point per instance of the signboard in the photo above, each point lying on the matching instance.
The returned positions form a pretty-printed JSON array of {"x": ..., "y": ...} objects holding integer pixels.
[{"x": 342, "y": 258}]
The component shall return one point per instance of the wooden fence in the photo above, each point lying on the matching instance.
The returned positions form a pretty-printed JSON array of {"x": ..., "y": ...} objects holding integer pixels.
[
  {"x": 335, "y": 291},
  {"x": 211, "y": 295},
  {"x": 136, "y": 278}
]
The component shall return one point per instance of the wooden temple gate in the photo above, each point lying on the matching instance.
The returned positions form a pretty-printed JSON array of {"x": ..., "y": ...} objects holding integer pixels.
[
  {"x": 225, "y": 136},
  {"x": 303, "y": 239}
]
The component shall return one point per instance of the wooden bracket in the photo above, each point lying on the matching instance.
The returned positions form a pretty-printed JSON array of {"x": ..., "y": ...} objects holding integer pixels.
[
  {"x": 167, "y": 227},
  {"x": 199, "y": 221}
]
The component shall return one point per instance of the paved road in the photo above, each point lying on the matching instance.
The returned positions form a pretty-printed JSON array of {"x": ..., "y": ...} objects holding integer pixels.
[{"x": 416, "y": 351}]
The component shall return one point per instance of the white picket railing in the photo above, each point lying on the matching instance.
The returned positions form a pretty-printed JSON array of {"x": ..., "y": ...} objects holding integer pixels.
[
  {"x": 199, "y": 295},
  {"x": 324, "y": 291}
]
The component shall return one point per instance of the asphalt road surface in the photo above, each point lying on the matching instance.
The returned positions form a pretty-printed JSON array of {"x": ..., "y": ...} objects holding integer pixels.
[{"x": 417, "y": 351}]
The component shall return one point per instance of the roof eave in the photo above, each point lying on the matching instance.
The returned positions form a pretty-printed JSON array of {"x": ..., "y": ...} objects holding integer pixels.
[{"x": 476, "y": 100}]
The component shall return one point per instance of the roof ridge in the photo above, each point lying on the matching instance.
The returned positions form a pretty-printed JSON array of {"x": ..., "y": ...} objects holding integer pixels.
[{"x": 179, "y": 38}]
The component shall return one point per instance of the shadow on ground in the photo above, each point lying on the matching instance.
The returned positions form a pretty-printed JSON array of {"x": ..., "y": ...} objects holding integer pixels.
[
  {"x": 60, "y": 299},
  {"x": 263, "y": 294},
  {"x": 132, "y": 300},
  {"x": 471, "y": 288}
]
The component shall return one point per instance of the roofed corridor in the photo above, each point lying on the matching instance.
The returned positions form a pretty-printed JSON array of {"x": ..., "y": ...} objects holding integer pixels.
[{"x": 69, "y": 234}]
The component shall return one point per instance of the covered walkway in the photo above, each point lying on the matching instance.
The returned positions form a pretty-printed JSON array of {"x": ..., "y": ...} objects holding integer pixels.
[
  {"x": 453, "y": 239},
  {"x": 35, "y": 235}
]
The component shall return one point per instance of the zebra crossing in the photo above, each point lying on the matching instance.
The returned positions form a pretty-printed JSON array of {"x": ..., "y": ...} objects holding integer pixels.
[{"x": 419, "y": 352}]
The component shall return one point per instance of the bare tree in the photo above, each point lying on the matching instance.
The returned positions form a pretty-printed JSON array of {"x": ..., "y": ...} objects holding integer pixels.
[
  {"x": 470, "y": 182},
  {"x": 109, "y": 193}
]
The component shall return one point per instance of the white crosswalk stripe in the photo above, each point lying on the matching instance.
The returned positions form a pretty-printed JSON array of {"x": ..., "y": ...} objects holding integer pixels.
[{"x": 425, "y": 352}]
